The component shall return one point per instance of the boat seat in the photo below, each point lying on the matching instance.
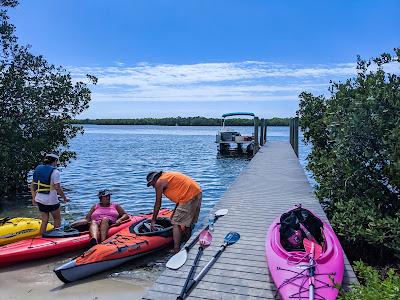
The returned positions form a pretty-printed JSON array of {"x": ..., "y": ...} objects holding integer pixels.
[{"x": 163, "y": 228}]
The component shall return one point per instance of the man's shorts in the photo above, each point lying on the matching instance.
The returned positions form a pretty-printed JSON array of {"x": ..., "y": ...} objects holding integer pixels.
[
  {"x": 47, "y": 208},
  {"x": 187, "y": 214}
]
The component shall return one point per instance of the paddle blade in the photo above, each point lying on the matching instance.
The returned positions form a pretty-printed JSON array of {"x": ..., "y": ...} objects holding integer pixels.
[
  {"x": 313, "y": 248},
  {"x": 178, "y": 260},
  {"x": 221, "y": 212},
  {"x": 231, "y": 238},
  {"x": 205, "y": 238}
]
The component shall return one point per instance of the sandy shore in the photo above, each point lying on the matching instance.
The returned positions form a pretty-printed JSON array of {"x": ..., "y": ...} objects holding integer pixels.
[{"x": 36, "y": 280}]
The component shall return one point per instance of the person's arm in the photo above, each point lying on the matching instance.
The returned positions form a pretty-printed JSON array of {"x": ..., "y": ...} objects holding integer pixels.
[
  {"x": 33, "y": 192},
  {"x": 159, "y": 186},
  {"x": 89, "y": 214},
  {"x": 122, "y": 213},
  {"x": 85, "y": 220},
  {"x": 60, "y": 191},
  {"x": 56, "y": 182}
]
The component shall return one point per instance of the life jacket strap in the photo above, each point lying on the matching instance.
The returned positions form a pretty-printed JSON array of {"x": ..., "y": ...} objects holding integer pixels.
[{"x": 42, "y": 187}]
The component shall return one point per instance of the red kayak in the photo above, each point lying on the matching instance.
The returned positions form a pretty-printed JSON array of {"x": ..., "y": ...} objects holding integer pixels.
[
  {"x": 41, "y": 247},
  {"x": 130, "y": 243}
]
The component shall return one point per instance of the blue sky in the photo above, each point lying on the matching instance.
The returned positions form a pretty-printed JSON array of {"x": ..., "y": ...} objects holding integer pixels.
[{"x": 170, "y": 58}]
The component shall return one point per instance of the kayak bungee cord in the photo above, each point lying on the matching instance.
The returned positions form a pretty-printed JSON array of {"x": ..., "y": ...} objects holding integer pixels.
[
  {"x": 302, "y": 274},
  {"x": 42, "y": 238}
]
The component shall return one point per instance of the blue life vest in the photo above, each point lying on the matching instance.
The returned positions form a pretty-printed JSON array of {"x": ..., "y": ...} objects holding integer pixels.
[{"x": 42, "y": 178}]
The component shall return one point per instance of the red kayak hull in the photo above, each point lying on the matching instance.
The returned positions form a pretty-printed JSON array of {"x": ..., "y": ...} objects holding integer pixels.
[{"x": 39, "y": 247}]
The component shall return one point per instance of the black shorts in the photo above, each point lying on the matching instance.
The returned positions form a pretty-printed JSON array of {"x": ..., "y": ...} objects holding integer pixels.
[{"x": 48, "y": 208}]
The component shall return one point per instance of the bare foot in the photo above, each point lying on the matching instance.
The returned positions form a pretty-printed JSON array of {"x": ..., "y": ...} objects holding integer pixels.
[{"x": 174, "y": 251}]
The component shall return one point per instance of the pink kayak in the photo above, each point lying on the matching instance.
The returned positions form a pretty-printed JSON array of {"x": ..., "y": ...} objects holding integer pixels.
[{"x": 289, "y": 263}]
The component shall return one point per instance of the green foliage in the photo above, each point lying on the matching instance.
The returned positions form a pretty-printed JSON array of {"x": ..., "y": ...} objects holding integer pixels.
[
  {"x": 372, "y": 286},
  {"x": 356, "y": 154},
  {"x": 36, "y": 100},
  {"x": 188, "y": 121}
]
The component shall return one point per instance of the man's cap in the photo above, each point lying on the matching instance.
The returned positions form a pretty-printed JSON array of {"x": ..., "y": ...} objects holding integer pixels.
[{"x": 151, "y": 175}]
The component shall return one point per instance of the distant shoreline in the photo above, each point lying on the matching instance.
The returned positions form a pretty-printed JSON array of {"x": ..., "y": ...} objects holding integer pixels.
[{"x": 178, "y": 121}]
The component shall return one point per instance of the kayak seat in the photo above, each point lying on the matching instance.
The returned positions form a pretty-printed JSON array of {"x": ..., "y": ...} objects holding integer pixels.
[
  {"x": 82, "y": 227},
  {"x": 61, "y": 233},
  {"x": 163, "y": 228}
]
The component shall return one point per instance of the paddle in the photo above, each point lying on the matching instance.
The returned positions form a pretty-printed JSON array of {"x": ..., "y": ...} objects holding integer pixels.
[
  {"x": 314, "y": 251},
  {"x": 179, "y": 259},
  {"x": 230, "y": 239},
  {"x": 204, "y": 241}
]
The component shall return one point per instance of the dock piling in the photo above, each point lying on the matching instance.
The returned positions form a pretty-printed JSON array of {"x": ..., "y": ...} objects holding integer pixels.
[
  {"x": 294, "y": 134},
  {"x": 256, "y": 144}
]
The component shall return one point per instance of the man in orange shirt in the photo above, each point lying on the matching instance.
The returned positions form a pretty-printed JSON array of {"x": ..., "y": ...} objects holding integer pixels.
[{"x": 185, "y": 192}]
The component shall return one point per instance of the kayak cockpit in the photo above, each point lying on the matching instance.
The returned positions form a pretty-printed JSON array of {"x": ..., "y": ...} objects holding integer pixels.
[{"x": 163, "y": 228}]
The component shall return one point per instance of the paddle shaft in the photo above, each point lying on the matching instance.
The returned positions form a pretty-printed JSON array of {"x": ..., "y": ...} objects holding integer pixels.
[
  {"x": 312, "y": 274},
  {"x": 205, "y": 270},
  {"x": 191, "y": 272},
  {"x": 190, "y": 246}
]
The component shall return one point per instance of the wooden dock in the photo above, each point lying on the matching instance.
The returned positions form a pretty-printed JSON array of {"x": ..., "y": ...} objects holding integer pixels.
[{"x": 271, "y": 184}]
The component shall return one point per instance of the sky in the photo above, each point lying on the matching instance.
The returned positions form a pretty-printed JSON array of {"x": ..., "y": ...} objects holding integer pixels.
[{"x": 159, "y": 58}]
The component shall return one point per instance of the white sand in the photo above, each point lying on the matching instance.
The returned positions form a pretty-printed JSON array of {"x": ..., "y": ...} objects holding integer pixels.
[{"x": 36, "y": 280}]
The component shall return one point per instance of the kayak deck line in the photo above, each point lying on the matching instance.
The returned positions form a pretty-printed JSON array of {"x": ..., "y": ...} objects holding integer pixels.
[{"x": 271, "y": 184}]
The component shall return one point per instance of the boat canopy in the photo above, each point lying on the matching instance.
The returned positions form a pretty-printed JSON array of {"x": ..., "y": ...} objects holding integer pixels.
[{"x": 238, "y": 114}]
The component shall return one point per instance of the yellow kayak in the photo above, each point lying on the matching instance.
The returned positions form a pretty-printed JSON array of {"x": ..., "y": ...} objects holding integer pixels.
[{"x": 16, "y": 229}]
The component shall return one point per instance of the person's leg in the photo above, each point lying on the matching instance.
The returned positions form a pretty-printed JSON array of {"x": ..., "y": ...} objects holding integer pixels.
[
  {"x": 104, "y": 225},
  {"x": 187, "y": 233},
  {"x": 94, "y": 231},
  {"x": 193, "y": 208},
  {"x": 177, "y": 236},
  {"x": 56, "y": 214},
  {"x": 45, "y": 220}
]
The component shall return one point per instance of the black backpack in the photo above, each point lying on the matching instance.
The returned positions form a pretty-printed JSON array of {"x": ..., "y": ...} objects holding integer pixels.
[{"x": 292, "y": 233}]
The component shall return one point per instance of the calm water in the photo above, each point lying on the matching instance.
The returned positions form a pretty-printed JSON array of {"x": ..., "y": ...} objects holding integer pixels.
[{"x": 119, "y": 157}]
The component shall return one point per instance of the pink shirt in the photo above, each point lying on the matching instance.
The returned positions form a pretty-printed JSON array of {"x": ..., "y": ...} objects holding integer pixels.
[{"x": 109, "y": 212}]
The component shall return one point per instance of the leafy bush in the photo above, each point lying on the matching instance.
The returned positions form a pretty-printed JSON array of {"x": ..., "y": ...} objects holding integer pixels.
[
  {"x": 356, "y": 154},
  {"x": 372, "y": 286},
  {"x": 36, "y": 100}
]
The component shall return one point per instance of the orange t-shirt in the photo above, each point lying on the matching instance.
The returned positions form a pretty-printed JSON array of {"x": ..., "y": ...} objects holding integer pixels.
[{"x": 181, "y": 188}]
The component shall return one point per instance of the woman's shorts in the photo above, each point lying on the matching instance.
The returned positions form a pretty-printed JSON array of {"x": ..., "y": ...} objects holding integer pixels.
[
  {"x": 98, "y": 221},
  {"x": 48, "y": 208}
]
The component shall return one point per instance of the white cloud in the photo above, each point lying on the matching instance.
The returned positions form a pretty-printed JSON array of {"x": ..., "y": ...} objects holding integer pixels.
[
  {"x": 237, "y": 81},
  {"x": 119, "y": 63}
]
